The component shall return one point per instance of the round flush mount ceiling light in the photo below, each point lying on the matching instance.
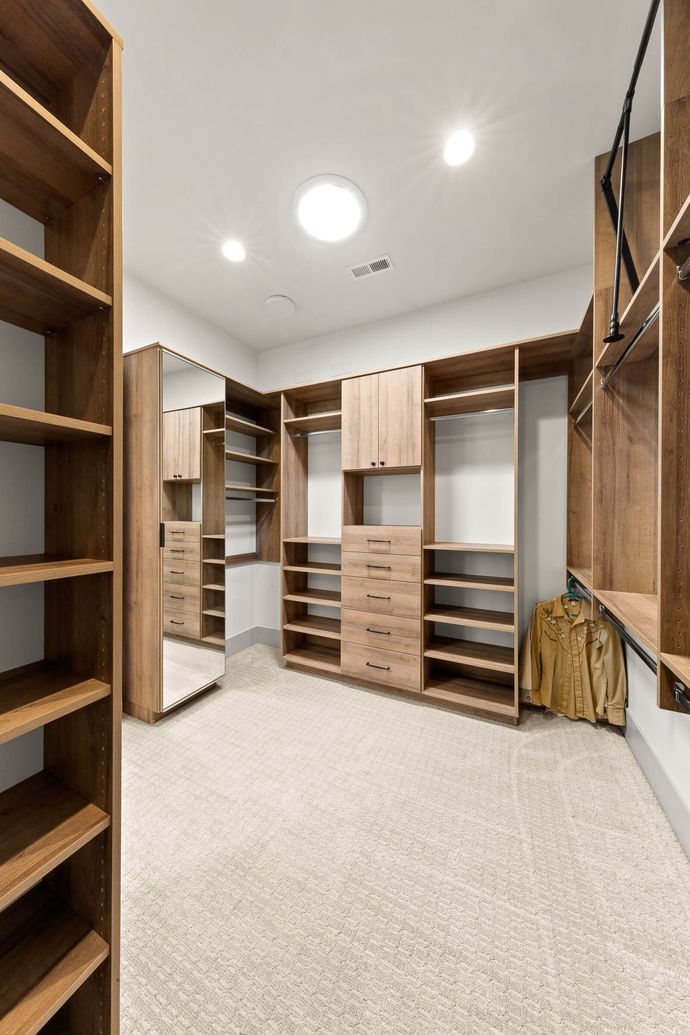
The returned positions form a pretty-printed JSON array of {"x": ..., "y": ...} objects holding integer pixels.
[
  {"x": 280, "y": 306},
  {"x": 329, "y": 208},
  {"x": 459, "y": 147},
  {"x": 234, "y": 251}
]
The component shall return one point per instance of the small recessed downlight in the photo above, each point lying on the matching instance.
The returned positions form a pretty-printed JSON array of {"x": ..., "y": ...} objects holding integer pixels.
[
  {"x": 234, "y": 251},
  {"x": 459, "y": 147},
  {"x": 329, "y": 208}
]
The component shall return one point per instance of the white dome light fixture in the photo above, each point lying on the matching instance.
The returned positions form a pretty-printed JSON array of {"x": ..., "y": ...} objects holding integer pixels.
[
  {"x": 459, "y": 147},
  {"x": 329, "y": 208},
  {"x": 234, "y": 251},
  {"x": 280, "y": 306}
]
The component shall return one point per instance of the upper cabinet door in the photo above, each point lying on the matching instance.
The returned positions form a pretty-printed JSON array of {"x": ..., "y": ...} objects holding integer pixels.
[
  {"x": 182, "y": 445},
  {"x": 360, "y": 405},
  {"x": 170, "y": 440},
  {"x": 400, "y": 418}
]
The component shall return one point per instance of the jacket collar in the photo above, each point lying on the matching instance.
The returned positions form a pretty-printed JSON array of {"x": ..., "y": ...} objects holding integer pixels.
[{"x": 558, "y": 612}]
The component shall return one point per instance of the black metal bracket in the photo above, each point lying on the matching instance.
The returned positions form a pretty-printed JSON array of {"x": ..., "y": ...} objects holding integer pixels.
[{"x": 681, "y": 695}]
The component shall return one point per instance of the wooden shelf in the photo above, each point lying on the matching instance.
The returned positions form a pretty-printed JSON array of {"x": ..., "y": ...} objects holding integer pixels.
[
  {"x": 638, "y": 612},
  {"x": 40, "y": 297},
  {"x": 216, "y": 587},
  {"x": 680, "y": 228},
  {"x": 457, "y": 580},
  {"x": 328, "y": 421},
  {"x": 234, "y": 559},
  {"x": 245, "y": 427},
  {"x": 472, "y": 617},
  {"x": 249, "y": 458},
  {"x": 36, "y": 428},
  {"x": 41, "y": 694},
  {"x": 679, "y": 665},
  {"x": 215, "y": 432},
  {"x": 637, "y": 311},
  {"x": 314, "y": 540},
  {"x": 39, "y": 186},
  {"x": 42, "y": 823},
  {"x": 468, "y": 652},
  {"x": 316, "y": 626},
  {"x": 476, "y": 401},
  {"x": 39, "y": 567},
  {"x": 46, "y": 965},
  {"x": 314, "y": 568},
  {"x": 251, "y": 490},
  {"x": 213, "y": 641},
  {"x": 324, "y": 597},
  {"x": 324, "y": 659},
  {"x": 213, "y": 560},
  {"x": 583, "y": 396},
  {"x": 471, "y": 547},
  {"x": 214, "y": 612},
  {"x": 219, "y": 536},
  {"x": 583, "y": 576},
  {"x": 475, "y": 694}
]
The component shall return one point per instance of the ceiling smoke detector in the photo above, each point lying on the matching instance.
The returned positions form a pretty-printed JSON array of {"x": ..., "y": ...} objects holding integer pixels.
[{"x": 366, "y": 269}]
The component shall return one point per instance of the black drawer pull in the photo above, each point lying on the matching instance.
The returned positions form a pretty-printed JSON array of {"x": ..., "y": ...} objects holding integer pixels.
[
  {"x": 375, "y": 596},
  {"x": 383, "y": 567},
  {"x": 378, "y": 540},
  {"x": 176, "y": 596},
  {"x": 173, "y": 622},
  {"x": 173, "y": 550},
  {"x": 176, "y": 531},
  {"x": 379, "y": 632},
  {"x": 384, "y": 668},
  {"x": 173, "y": 572}
]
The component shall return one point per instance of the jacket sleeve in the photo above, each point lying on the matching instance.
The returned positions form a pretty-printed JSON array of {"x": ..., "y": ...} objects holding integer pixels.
[
  {"x": 614, "y": 666},
  {"x": 530, "y": 663}
]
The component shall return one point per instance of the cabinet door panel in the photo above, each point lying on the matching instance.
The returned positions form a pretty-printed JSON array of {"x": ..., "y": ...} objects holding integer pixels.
[
  {"x": 400, "y": 418},
  {"x": 190, "y": 444},
  {"x": 360, "y": 404},
  {"x": 170, "y": 439}
]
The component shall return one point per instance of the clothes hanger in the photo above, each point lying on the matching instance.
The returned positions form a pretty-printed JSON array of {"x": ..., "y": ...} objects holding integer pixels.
[{"x": 572, "y": 595}]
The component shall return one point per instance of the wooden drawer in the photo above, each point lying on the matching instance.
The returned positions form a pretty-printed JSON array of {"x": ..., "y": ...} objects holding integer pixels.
[
  {"x": 380, "y": 666},
  {"x": 181, "y": 573},
  {"x": 400, "y": 539},
  {"x": 182, "y": 623},
  {"x": 393, "y": 598},
  {"x": 181, "y": 598},
  {"x": 392, "y": 567},
  {"x": 384, "y": 632},
  {"x": 182, "y": 552},
  {"x": 182, "y": 532}
]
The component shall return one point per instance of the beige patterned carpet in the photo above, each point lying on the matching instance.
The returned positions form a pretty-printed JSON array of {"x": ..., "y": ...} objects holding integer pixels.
[{"x": 305, "y": 858}]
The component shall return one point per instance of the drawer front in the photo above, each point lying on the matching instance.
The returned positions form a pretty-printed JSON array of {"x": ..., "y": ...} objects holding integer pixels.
[
  {"x": 181, "y": 573},
  {"x": 392, "y": 567},
  {"x": 380, "y": 666},
  {"x": 391, "y": 598},
  {"x": 384, "y": 632},
  {"x": 182, "y": 552},
  {"x": 400, "y": 539},
  {"x": 182, "y": 532},
  {"x": 182, "y": 623},
  {"x": 181, "y": 598}
]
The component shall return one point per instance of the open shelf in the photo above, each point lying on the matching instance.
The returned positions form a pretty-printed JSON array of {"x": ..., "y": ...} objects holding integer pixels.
[
  {"x": 214, "y": 560},
  {"x": 311, "y": 655},
  {"x": 475, "y": 401},
  {"x": 328, "y": 421},
  {"x": 680, "y": 228},
  {"x": 315, "y": 540},
  {"x": 450, "y": 614},
  {"x": 40, "y": 297},
  {"x": 324, "y": 597},
  {"x": 314, "y": 568},
  {"x": 679, "y": 665},
  {"x": 471, "y": 547},
  {"x": 34, "y": 697},
  {"x": 638, "y": 612},
  {"x": 36, "y": 428},
  {"x": 215, "y": 432},
  {"x": 456, "y": 580},
  {"x": 583, "y": 576},
  {"x": 637, "y": 311},
  {"x": 249, "y": 458},
  {"x": 41, "y": 567},
  {"x": 28, "y": 133},
  {"x": 316, "y": 626},
  {"x": 50, "y": 959},
  {"x": 214, "y": 612},
  {"x": 245, "y": 427},
  {"x": 251, "y": 490},
  {"x": 217, "y": 587},
  {"x": 233, "y": 559},
  {"x": 43, "y": 823},
  {"x": 469, "y": 652},
  {"x": 213, "y": 641},
  {"x": 477, "y": 694},
  {"x": 583, "y": 396},
  {"x": 219, "y": 536}
]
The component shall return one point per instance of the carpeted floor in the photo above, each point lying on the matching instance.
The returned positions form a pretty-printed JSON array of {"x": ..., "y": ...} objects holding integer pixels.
[{"x": 306, "y": 858}]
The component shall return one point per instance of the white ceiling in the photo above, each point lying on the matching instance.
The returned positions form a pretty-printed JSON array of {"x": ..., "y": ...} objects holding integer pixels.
[{"x": 230, "y": 105}]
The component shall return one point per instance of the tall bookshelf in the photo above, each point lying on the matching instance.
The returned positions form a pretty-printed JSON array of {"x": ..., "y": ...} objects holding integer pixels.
[{"x": 60, "y": 151}]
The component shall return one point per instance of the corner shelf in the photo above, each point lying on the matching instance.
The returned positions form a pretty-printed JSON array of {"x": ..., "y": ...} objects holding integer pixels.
[
  {"x": 33, "y": 698},
  {"x": 325, "y": 659},
  {"x": 314, "y": 625},
  {"x": 478, "y": 400},
  {"x": 679, "y": 665},
  {"x": 638, "y": 612},
  {"x": 40, "y": 567},
  {"x": 471, "y": 617},
  {"x": 37, "y": 428},
  {"x": 457, "y": 580},
  {"x": 245, "y": 427},
  {"x": 469, "y": 652},
  {"x": 331, "y": 420}
]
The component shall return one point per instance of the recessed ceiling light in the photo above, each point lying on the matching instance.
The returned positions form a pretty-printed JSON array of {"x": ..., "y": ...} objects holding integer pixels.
[
  {"x": 459, "y": 147},
  {"x": 234, "y": 251},
  {"x": 280, "y": 306},
  {"x": 329, "y": 208}
]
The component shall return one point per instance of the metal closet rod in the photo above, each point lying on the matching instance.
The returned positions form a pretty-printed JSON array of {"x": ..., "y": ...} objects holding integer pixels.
[
  {"x": 470, "y": 413},
  {"x": 639, "y": 335},
  {"x": 250, "y": 499},
  {"x": 649, "y": 661},
  {"x": 307, "y": 434}
]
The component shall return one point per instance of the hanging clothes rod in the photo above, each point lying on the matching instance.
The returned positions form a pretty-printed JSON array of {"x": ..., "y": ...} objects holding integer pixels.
[
  {"x": 644, "y": 655},
  {"x": 684, "y": 270},
  {"x": 679, "y": 691},
  {"x": 624, "y": 356},
  {"x": 471, "y": 413},
  {"x": 308, "y": 434},
  {"x": 584, "y": 413}
]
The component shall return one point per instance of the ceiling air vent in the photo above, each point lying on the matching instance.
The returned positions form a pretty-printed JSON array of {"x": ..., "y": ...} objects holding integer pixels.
[{"x": 366, "y": 269}]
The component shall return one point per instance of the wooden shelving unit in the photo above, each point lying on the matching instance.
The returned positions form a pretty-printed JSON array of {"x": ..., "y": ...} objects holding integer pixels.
[
  {"x": 329, "y": 421},
  {"x": 60, "y": 151}
]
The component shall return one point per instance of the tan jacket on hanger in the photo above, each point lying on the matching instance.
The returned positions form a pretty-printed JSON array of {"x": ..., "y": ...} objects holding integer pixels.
[{"x": 572, "y": 664}]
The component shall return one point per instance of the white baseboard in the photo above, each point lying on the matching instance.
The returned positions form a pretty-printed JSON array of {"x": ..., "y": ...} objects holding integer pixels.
[
  {"x": 259, "y": 634},
  {"x": 669, "y": 799}
]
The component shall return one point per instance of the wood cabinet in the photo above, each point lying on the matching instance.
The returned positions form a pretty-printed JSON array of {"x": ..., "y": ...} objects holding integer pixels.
[
  {"x": 382, "y": 420},
  {"x": 182, "y": 445}
]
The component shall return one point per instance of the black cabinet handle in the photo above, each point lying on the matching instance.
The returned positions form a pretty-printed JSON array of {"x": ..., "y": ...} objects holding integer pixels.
[
  {"x": 173, "y": 622},
  {"x": 373, "y": 463},
  {"x": 384, "y": 668},
  {"x": 173, "y": 572},
  {"x": 379, "y": 632},
  {"x": 378, "y": 540},
  {"x": 375, "y": 596},
  {"x": 176, "y": 596},
  {"x": 382, "y": 463},
  {"x": 173, "y": 550},
  {"x": 383, "y": 567}
]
